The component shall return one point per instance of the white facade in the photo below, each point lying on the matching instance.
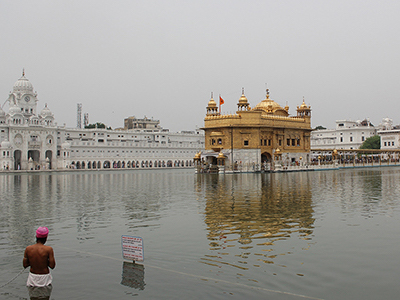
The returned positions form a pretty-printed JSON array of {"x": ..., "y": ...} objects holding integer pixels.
[
  {"x": 390, "y": 135},
  {"x": 30, "y": 141},
  {"x": 346, "y": 135}
]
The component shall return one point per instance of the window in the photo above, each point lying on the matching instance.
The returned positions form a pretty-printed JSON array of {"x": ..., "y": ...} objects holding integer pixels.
[
  {"x": 288, "y": 142},
  {"x": 293, "y": 142},
  {"x": 269, "y": 142},
  {"x": 362, "y": 139},
  {"x": 351, "y": 139},
  {"x": 280, "y": 142},
  {"x": 384, "y": 143},
  {"x": 246, "y": 143},
  {"x": 341, "y": 139}
]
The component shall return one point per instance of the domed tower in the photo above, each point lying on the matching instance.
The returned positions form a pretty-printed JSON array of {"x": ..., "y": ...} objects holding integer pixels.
[
  {"x": 47, "y": 116},
  {"x": 243, "y": 104},
  {"x": 212, "y": 109},
  {"x": 23, "y": 97},
  {"x": 304, "y": 111}
]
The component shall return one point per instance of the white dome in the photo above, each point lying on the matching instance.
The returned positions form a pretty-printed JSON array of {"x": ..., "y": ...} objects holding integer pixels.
[
  {"x": 23, "y": 84},
  {"x": 46, "y": 112},
  {"x": 5, "y": 144},
  {"x": 65, "y": 145},
  {"x": 14, "y": 110}
]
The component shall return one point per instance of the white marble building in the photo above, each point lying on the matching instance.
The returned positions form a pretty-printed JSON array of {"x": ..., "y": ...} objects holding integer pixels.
[
  {"x": 31, "y": 141},
  {"x": 389, "y": 134},
  {"x": 347, "y": 135}
]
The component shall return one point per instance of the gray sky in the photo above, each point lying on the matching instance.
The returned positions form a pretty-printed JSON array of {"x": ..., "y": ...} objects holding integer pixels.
[{"x": 163, "y": 59}]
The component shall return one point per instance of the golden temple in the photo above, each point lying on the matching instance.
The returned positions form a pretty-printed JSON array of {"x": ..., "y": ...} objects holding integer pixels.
[{"x": 256, "y": 136}]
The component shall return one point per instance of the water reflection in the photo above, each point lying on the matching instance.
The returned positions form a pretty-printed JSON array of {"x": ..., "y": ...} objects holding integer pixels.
[
  {"x": 40, "y": 292},
  {"x": 253, "y": 212},
  {"x": 133, "y": 275}
]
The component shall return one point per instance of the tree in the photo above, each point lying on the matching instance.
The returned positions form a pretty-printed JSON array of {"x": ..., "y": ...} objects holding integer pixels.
[
  {"x": 97, "y": 125},
  {"x": 374, "y": 142},
  {"x": 319, "y": 127}
]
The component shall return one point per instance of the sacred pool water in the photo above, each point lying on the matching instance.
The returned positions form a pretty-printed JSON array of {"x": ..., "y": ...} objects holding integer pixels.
[{"x": 306, "y": 235}]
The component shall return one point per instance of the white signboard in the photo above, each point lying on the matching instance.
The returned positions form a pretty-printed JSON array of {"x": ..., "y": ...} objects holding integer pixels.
[{"x": 132, "y": 248}]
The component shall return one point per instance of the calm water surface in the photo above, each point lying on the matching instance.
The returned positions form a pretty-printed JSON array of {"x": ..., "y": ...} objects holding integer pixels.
[{"x": 310, "y": 235}]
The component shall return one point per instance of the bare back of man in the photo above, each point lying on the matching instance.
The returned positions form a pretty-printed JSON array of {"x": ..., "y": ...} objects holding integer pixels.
[{"x": 39, "y": 257}]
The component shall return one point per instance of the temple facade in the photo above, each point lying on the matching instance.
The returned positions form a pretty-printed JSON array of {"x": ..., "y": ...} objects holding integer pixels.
[{"x": 257, "y": 136}]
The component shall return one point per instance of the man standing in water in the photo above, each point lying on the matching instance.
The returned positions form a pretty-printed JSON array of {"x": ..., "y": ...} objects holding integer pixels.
[{"x": 39, "y": 257}]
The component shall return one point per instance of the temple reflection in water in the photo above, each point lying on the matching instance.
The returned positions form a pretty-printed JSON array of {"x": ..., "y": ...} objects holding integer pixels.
[{"x": 253, "y": 212}]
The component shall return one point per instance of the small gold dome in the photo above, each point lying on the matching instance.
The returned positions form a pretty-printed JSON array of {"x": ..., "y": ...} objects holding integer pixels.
[
  {"x": 243, "y": 99},
  {"x": 220, "y": 155},
  {"x": 212, "y": 103}
]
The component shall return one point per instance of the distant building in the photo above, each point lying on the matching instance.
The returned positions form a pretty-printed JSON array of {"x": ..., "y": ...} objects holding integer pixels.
[
  {"x": 145, "y": 123},
  {"x": 347, "y": 135},
  {"x": 31, "y": 141},
  {"x": 389, "y": 134}
]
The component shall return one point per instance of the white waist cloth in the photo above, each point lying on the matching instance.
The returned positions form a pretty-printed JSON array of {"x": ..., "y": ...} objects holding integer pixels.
[{"x": 39, "y": 279}]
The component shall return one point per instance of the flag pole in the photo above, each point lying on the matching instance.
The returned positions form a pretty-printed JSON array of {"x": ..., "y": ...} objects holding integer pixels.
[{"x": 219, "y": 101}]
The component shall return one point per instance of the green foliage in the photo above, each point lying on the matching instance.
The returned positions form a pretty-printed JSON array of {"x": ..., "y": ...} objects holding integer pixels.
[
  {"x": 374, "y": 142},
  {"x": 319, "y": 127},
  {"x": 97, "y": 125}
]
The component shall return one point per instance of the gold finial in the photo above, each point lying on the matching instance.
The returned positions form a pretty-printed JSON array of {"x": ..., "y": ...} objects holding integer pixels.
[
  {"x": 267, "y": 93},
  {"x": 23, "y": 72},
  {"x": 212, "y": 95},
  {"x": 242, "y": 90}
]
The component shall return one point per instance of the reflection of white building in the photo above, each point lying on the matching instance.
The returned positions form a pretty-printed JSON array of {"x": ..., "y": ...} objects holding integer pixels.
[
  {"x": 346, "y": 135},
  {"x": 389, "y": 134},
  {"x": 31, "y": 141}
]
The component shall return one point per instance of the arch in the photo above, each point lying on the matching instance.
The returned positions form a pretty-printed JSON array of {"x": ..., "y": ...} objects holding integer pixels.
[
  {"x": 266, "y": 157},
  {"x": 78, "y": 164},
  {"x": 106, "y": 165},
  {"x": 17, "y": 159},
  {"x": 83, "y": 165},
  {"x": 150, "y": 164},
  {"x": 155, "y": 164},
  {"x": 98, "y": 165},
  {"x": 89, "y": 165},
  {"x": 49, "y": 158},
  {"x": 169, "y": 164},
  {"x": 128, "y": 164}
]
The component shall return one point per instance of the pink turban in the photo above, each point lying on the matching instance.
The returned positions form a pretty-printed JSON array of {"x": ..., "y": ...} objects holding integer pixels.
[{"x": 42, "y": 232}]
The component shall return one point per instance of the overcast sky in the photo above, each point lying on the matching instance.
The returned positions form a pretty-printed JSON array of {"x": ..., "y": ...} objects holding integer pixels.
[{"x": 162, "y": 59}]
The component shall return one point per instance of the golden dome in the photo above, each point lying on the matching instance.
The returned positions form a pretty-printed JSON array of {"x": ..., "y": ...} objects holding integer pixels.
[
  {"x": 198, "y": 155},
  {"x": 270, "y": 106},
  {"x": 212, "y": 103},
  {"x": 243, "y": 99},
  {"x": 303, "y": 106},
  {"x": 220, "y": 155}
]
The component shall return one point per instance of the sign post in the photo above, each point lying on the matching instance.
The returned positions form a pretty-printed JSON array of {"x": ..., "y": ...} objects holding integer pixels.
[{"x": 132, "y": 248}]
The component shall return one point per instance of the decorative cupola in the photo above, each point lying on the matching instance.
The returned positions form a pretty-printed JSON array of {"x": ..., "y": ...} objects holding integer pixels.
[
  {"x": 304, "y": 111},
  {"x": 243, "y": 104},
  {"x": 212, "y": 109}
]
